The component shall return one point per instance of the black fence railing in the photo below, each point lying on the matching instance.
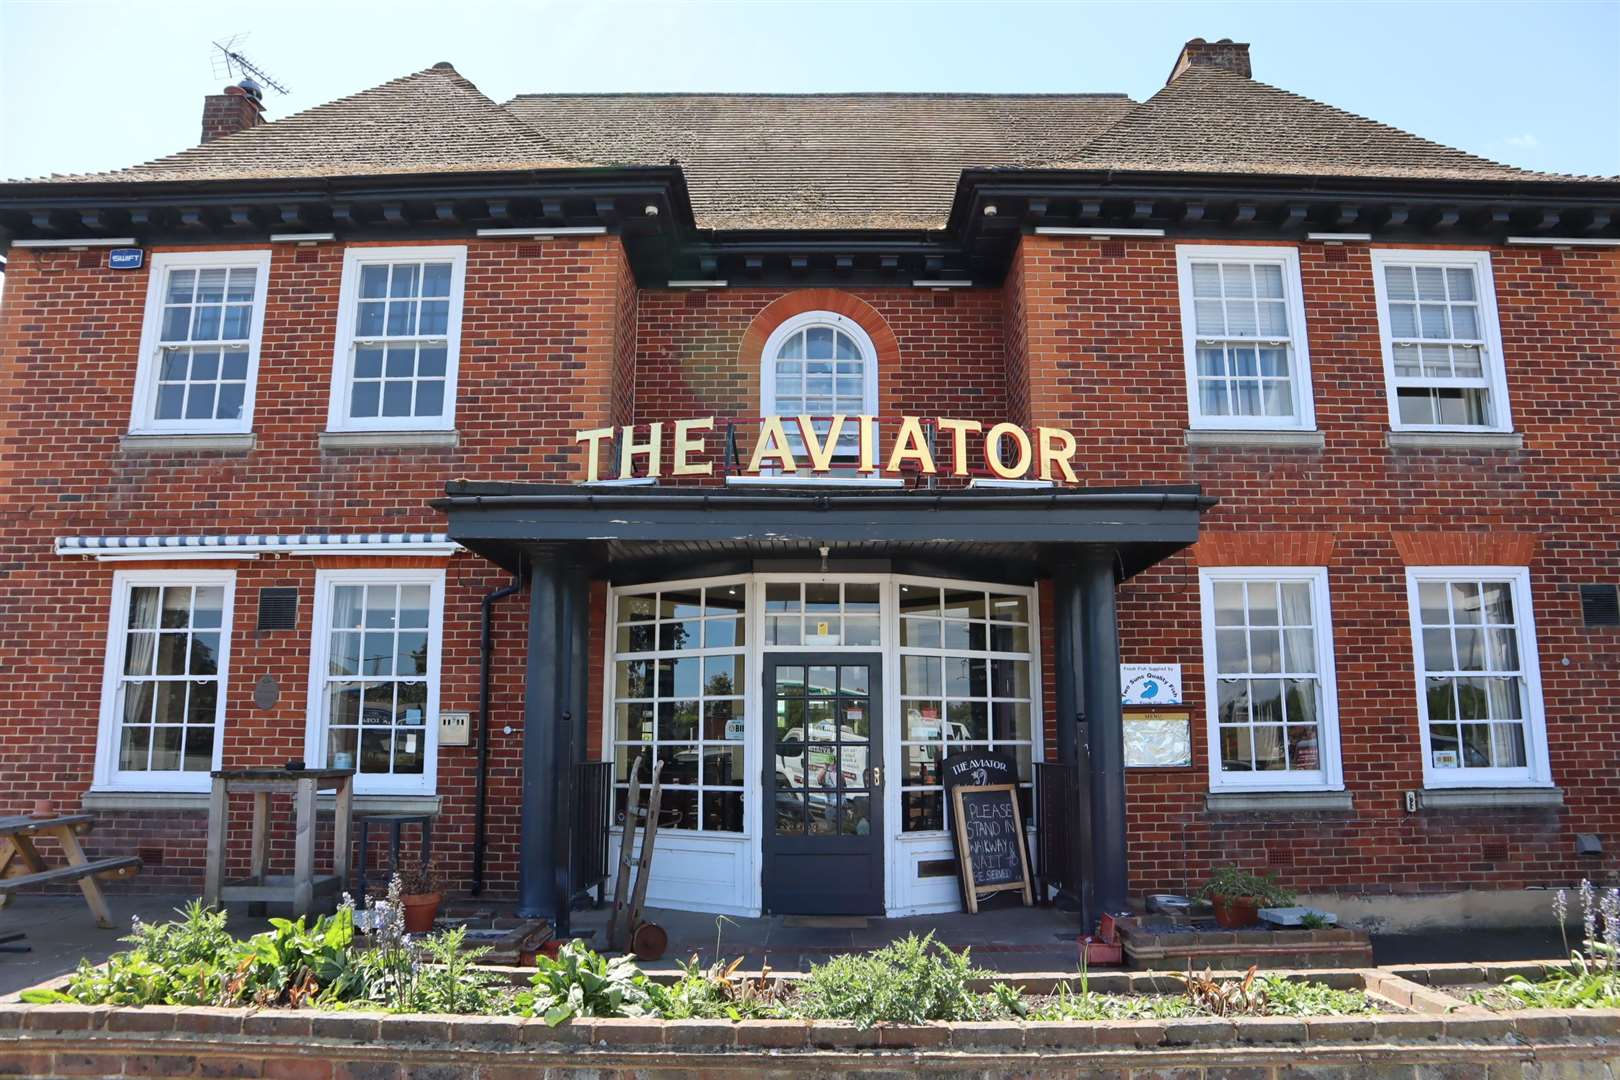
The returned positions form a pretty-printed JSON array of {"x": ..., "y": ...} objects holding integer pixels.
[
  {"x": 1056, "y": 814},
  {"x": 593, "y": 807}
]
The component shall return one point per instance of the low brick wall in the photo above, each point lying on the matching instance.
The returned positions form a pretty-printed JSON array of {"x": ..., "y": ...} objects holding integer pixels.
[{"x": 49, "y": 1041}]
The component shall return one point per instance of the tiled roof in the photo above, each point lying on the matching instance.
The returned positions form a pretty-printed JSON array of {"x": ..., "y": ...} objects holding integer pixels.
[
  {"x": 821, "y": 161},
  {"x": 1209, "y": 119},
  {"x": 429, "y": 122},
  {"x": 809, "y": 161}
]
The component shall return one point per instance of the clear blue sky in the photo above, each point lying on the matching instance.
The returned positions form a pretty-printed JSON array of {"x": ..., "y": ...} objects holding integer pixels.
[{"x": 91, "y": 84}]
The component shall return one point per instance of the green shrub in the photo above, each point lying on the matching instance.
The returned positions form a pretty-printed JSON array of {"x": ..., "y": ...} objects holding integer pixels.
[
  {"x": 908, "y": 981},
  {"x": 581, "y": 982}
]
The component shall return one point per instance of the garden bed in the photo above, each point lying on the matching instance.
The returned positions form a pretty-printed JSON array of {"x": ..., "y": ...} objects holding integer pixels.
[{"x": 309, "y": 1001}]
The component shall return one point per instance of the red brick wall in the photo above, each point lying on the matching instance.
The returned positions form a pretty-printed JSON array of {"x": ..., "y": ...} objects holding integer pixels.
[
  {"x": 1085, "y": 336},
  {"x": 940, "y": 354},
  {"x": 1105, "y": 360},
  {"x": 543, "y": 328}
]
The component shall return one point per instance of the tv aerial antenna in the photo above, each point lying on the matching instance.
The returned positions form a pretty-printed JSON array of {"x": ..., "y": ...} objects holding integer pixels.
[{"x": 229, "y": 63}]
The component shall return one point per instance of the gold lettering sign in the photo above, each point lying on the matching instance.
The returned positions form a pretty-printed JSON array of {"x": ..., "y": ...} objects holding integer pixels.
[{"x": 801, "y": 446}]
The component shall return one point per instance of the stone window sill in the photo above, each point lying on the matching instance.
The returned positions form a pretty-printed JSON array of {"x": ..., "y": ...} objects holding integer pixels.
[
  {"x": 1490, "y": 798},
  {"x": 182, "y": 801},
  {"x": 147, "y": 444},
  {"x": 1256, "y": 440},
  {"x": 388, "y": 440},
  {"x": 1277, "y": 802},
  {"x": 1454, "y": 440}
]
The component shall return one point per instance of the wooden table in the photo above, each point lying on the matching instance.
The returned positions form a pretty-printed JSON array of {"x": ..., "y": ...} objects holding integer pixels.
[
  {"x": 304, "y": 885},
  {"x": 17, "y": 843}
]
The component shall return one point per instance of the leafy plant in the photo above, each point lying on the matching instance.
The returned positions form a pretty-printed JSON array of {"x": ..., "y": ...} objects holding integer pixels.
[
  {"x": 1592, "y": 979},
  {"x": 1288, "y": 997},
  {"x": 718, "y": 993},
  {"x": 908, "y": 981},
  {"x": 292, "y": 964},
  {"x": 1312, "y": 921},
  {"x": 195, "y": 961},
  {"x": 1090, "y": 1005},
  {"x": 1210, "y": 996},
  {"x": 1232, "y": 882},
  {"x": 581, "y": 982},
  {"x": 448, "y": 980}
]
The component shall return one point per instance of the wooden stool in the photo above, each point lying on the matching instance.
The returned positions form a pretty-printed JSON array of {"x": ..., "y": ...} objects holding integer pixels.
[{"x": 304, "y": 885}]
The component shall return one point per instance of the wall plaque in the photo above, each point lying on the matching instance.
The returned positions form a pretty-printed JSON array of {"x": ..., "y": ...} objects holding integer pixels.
[
  {"x": 1150, "y": 684},
  {"x": 266, "y": 692}
]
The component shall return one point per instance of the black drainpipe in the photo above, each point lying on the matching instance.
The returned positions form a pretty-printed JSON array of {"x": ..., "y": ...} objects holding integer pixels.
[{"x": 486, "y": 650}]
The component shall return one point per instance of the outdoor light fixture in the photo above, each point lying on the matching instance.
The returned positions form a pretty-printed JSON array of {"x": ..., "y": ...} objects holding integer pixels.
[{"x": 543, "y": 232}]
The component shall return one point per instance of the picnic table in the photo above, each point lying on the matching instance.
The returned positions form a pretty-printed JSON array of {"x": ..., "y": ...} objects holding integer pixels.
[{"x": 17, "y": 835}]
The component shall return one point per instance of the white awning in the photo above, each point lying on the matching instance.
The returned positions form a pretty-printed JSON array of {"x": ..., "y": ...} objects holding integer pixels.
[{"x": 251, "y": 546}]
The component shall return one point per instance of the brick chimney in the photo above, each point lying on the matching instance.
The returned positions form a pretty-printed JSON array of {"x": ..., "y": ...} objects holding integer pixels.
[
  {"x": 1226, "y": 54},
  {"x": 240, "y": 107}
]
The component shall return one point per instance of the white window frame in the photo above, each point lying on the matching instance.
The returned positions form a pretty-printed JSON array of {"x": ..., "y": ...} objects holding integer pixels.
[
  {"x": 1330, "y": 777},
  {"x": 315, "y": 748},
  {"x": 1494, "y": 362},
  {"x": 107, "y": 776},
  {"x": 143, "y": 409},
  {"x": 841, "y": 323},
  {"x": 1304, "y": 418},
  {"x": 747, "y": 673},
  {"x": 1537, "y": 772},
  {"x": 354, "y": 258}
]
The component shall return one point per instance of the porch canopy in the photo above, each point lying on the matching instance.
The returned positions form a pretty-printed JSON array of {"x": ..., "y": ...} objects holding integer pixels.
[{"x": 559, "y": 537}]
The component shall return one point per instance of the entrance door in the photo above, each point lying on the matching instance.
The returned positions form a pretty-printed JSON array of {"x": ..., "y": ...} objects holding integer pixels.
[{"x": 823, "y": 784}]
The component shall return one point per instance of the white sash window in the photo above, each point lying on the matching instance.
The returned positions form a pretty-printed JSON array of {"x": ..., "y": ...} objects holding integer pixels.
[
  {"x": 1268, "y": 679},
  {"x": 399, "y": 339},
  {"x": 200, "y": 343},
  {"x": 1442, "y": 347},
  {"x": 163, "y": 694},
  {"x": 1243, "y": 328}
]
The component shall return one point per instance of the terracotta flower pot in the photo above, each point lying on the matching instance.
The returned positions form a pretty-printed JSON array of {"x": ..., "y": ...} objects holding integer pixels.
[
  {"x": 420, "y": 911},
  {"x": 44, "y": 808},
  {"x": 1236, "y": 912}
]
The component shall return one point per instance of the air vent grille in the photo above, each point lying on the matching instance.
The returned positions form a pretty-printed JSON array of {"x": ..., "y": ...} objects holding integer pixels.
[
  {"x": 278, "y": 609},
  {"x": 1600, "y": 605}
]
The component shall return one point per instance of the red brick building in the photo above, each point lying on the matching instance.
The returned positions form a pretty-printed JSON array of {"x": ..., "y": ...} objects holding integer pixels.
[{"x": 457, "y": 442}]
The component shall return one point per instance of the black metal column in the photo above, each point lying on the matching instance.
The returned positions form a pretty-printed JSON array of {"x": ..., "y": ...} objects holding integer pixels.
[
  {"x": 542, "y": 850},
  {"x": 1100, "y": 693},
  {"x": 1069, "y": 605},
  {"x": 573, "y": 647}
]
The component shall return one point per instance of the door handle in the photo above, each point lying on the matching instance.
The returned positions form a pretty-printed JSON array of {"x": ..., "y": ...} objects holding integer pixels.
[{"x": 874, "y": 776}]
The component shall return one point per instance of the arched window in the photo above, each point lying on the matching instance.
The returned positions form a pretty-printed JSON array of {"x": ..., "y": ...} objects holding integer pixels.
[{"x": 819, "y": 364}]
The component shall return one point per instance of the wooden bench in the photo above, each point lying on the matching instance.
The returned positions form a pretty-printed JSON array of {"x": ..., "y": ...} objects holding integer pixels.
[{"x": 116, "y": 866}]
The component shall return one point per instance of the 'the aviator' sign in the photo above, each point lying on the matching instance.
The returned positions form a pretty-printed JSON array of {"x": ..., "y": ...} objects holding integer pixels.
[{"x": 817, "y": 445}]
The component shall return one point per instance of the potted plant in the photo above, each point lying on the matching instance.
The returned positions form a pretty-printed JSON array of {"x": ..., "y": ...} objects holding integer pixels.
[
  {"x": 1238, "y": 895},
  {"x": 421, "y": 891}
]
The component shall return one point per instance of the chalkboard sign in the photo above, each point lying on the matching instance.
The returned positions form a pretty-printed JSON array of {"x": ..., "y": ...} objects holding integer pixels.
[{"x": 990, "y": 841}]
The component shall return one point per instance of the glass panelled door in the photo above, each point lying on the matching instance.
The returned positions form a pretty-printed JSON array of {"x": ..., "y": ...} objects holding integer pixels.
[{"x": 823, "y": 782}]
